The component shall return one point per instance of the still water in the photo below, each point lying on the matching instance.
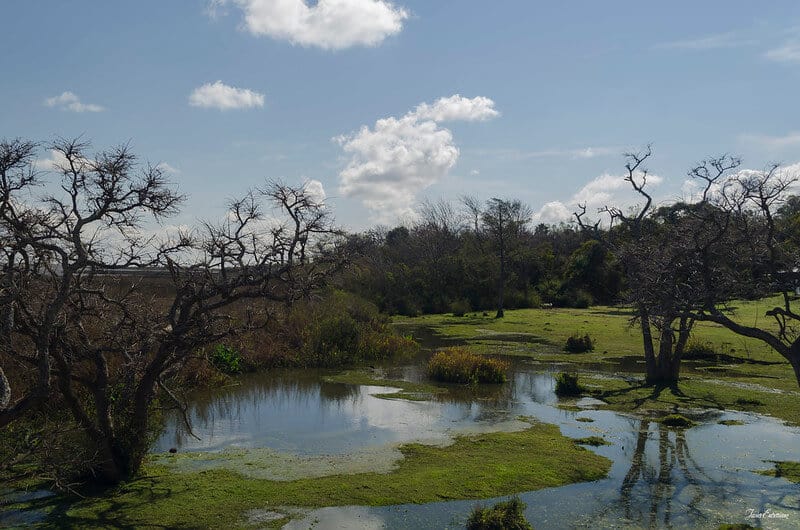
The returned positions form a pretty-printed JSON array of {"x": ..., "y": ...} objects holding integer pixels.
[{"x": 699, "y": 477}]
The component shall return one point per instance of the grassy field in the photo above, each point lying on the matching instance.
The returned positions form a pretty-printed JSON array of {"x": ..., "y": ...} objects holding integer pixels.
[
  {"x": 473, "y": 467},
  {"x": 748, "y": 375}
]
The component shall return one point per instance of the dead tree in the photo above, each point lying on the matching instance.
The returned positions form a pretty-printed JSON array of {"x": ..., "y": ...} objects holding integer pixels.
[
  {"x": 657, "y": 249},
  {"x": 97, "y": 338},
  {"x": 750, "y": 202}
]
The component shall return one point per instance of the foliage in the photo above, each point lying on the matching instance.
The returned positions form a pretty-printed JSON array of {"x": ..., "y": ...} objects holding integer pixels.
[
  {"x": 457, "y": 365},
  {"x": 226, "y": 359},
  {"x": 506, "y": 515},
  {"x": 343, "y": 329},
  {"x": 460, "y": 307},
  {"x": 677, "y": 421},
  {"x": 579, "y": 344},
  {"x": 696, "y": 349},
  {"x": 567, "y": 385}
]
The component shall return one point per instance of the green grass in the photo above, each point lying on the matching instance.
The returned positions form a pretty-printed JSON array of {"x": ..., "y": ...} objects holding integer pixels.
[
  {"x": 788, "y": 470},
  {"x": 473, "y": 467},
  {"x": 749, "y": 376},
  {"x": 692, "y": 392}
]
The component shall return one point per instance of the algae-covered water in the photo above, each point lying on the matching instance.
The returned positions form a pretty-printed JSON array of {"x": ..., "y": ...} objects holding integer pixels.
[{"x": 291, "y": 424}]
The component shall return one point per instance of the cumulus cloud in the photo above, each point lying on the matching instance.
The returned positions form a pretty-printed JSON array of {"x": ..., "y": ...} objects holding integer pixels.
[
  {"x": 399, "y": 157},
  {"x": 220, "y": 96},
  {"x": 70, "y": 101},
  {"x": 457, "y": 108},
  {"x": 328, "y": 24},
  {"x": 315, "y": 190},
  {"x": 603, "y": 190}
]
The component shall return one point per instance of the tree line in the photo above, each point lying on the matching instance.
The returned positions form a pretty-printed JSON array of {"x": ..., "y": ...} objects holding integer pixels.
[{"x": 103, "y": 351}]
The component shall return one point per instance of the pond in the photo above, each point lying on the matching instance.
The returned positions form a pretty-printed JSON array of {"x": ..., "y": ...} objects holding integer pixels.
[{"x": 699, "y": 477}]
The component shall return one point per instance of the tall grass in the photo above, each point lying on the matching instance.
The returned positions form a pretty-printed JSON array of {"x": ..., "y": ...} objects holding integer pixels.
[
  {"x": 508, "y": 515},
  {"x": 457, "y": 365}
]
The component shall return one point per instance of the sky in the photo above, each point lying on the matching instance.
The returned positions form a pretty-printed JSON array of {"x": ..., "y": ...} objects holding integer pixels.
[{"x": 381, "y": 105}]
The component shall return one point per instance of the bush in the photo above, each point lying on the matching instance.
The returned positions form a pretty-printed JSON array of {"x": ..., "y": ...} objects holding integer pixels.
[
  {"x": 578, "y": 344},
  {"x": 577, "y": 299},
  {"x": 508, "y": 515},
  {"x": 461, "y": 307},
  {"x": 226, "y": 360},
  {"x": 696, "y": 349},
  {"x": 343, "y": 329},
  {"x": 457, "y": 365},
  {"x": 567, "y": 385},
  {"x": 676, "y": 420}
]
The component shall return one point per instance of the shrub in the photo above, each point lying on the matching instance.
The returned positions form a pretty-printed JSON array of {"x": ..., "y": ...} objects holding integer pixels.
[
  {"x": 567, "y": 385},
  {"x": 457, "y": 365},
  {"x": 508, "y": 515},
  {"x": 578, "y": 344},
  {"x": 676, "y": 420},
  {"x": 226, "y": 359},
  {"x": 696, "y": 349},
  {"x": 461, "y": 307}
]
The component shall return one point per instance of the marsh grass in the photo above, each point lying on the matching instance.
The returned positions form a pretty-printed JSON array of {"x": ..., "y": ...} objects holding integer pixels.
[
  {"x": 567, "y": 385},
  {"x": 457, "y": 365},
  {"x": 506, "y": 515}
]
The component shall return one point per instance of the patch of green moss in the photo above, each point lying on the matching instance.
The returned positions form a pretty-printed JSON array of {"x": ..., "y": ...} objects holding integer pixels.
[
  {"x": 736, "y": 526},
  {"x": 676, "y": 420},
  {"x": 584, "y": 419},
  {"x": 788, "y": 470},
  {"x": 473, "y": 467},
  {"x": 731, "y": 422},
  {"x": 594, "y": 441}
]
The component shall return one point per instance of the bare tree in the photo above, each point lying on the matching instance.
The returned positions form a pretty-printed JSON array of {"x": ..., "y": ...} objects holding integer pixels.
[
  {"x": 505, "y": 222},
  {"x": 97, "y": 338},
  {"x": 753, "y": 243},
  {"x": 657, "y": 249}
]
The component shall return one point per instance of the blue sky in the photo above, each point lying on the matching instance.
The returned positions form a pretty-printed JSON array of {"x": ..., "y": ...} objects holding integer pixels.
[{"x": 551, "y": 94}]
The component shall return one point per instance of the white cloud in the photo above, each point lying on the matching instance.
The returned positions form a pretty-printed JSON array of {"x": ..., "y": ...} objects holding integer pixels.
[
  {"x": 788, "y": 53},
  {"x": 709, "y": 42},
  {"x": 328, "y": 24},
  {"x": 315, "y": 190},
  {"x": 457, "y": 108},
  {"x": 553, "y": 213},
  {"x": 400, "y": 157},
  {"x": 604, "y": 190},
  {"x": 220, "y": 96},
  {"x": 772, "y": 142},
  {"x": 70, "y": 101},
  {"x": 475, "y": 172},
  {"x": 163, "y": 166}
]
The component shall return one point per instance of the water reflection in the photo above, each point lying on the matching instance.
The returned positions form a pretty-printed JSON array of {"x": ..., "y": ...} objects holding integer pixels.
[{"x": 659, "y": 477}]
